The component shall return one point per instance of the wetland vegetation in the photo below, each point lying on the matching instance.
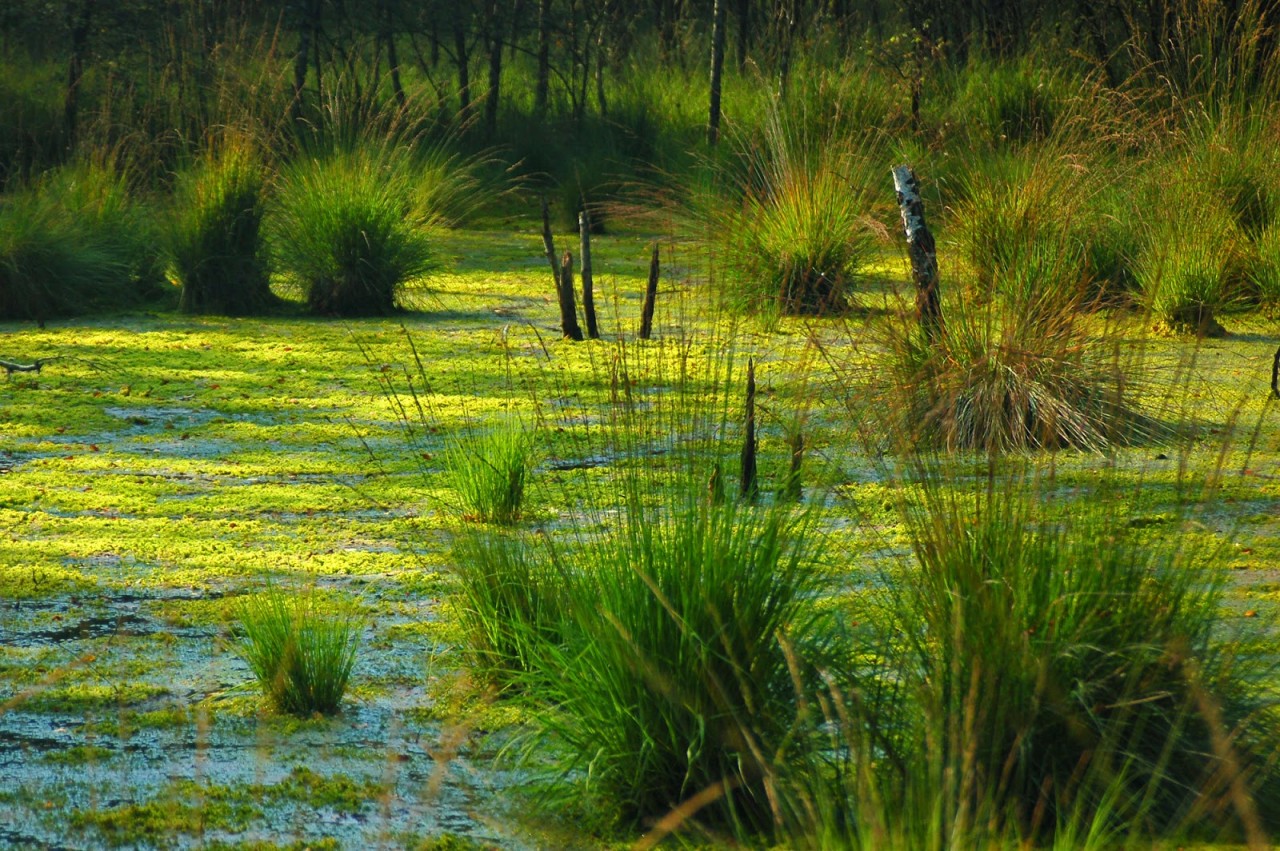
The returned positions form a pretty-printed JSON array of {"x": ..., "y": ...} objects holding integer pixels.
[{"x": 321, "y": 531}]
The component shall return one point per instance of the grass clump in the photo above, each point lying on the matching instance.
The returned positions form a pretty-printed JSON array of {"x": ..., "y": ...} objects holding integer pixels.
[
  {"x": 351, "y": 229},
  {"x": 678, "y": 670},
  {"x": 510, "y": 605},
  {"x": 1194, "y": 266},
  {"x": 301, "y": 649},
  {"x": 1006, "y": 376},
  {"x": 801, "y": 233},
  {"x": 217, "y": 244},
  {"x": 73, "y": 243},
  {"x": 489, "y": 471},
  {"x": 1064, "y": 670}
]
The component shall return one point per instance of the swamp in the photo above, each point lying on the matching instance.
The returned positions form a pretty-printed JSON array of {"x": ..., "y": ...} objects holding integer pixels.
[{"x": 487, "y": 424}]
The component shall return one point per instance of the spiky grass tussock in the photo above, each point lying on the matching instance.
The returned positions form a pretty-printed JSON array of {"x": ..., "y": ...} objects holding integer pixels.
[
  {"x": 1195, "y": 264},
  {"x": 489, "y": 471},
  {"x": 1066, "y": 669},
  {"x": 301, "y": 648},
  {"x": 687, "y": 638},
  {"x": 217, "y": 245},
  {"x": 1000, "y": 378},
  {"x": 798, "y": 233},
  {"x": 74, "y": 242},
  {"x": 347, "y": 230}
]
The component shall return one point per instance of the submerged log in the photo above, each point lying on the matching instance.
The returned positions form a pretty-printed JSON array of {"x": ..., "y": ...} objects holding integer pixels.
[{"x": 922, "y": 250}]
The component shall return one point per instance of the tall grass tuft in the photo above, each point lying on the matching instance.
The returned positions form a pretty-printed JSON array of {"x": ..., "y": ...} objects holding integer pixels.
[
  {"x": 798, "y": 232},
  {"x": 489, "y": 471},
  {"x": 1061, "y": 663},
  {"x": 1005, "y": 376},
  {"x": 679, "y": 675},
  {"x": 217, "y": 244},
  {"x": 300, "y": 647},
  {"x": 1194, "y": 265},
  {"x": 74, "y": 242},
  {"x": 510, "y": 605}
]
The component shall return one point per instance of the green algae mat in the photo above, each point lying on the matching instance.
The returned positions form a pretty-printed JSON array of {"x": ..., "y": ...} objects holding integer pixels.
[{"x": 160, "y": 466}]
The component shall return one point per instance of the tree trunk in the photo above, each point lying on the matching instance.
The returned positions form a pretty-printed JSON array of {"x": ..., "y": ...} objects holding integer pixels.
[
  {"x": 393, "y": 61},
  {"x": 464, "y": 62},
  {"x": 922, "y": 251},
  {"x": 79, "y": 25},
  {"x": 717, "y": 67},
  {"x": 744, "y": 32},
  {"x": 588, "y": 294},
  {"x": 495, "y": 68},
  {"x": 543, "y": 83}
]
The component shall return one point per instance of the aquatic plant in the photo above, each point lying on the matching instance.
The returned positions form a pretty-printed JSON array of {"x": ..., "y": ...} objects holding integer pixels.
[
  {"x": 489, "y": 470},
  {"x": 301, "y": 648}
]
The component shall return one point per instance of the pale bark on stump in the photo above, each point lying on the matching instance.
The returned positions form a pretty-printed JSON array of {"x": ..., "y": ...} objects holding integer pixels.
[
  {"x": 588, "y": 293},
  {"x": 922, "y": 251},
  {"x": 650, "y": 297}
]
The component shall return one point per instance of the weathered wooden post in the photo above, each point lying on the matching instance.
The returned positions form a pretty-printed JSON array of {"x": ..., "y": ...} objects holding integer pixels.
[
  {"x": 922, "y": 251},
  {"x": 568, "y": 309},
  {"x": 650, "y": 296},
  {"x": 1275, "y": 376},
  {"x": 588, "y": 294},
  {"x": 749, "y": 486}
]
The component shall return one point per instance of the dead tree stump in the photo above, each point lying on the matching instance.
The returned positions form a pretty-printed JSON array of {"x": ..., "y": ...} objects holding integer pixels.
[
  {"x": 568, "y": 309},
  {"x": 588, "y": 293},
  {"x": 922, "y": 251},
  {"x": 750, "y": 488},
  {"x": 650, "y": 297}
]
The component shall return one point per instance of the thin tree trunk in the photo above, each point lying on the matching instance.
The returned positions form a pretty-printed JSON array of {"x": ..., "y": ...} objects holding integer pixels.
[
  {"x": 543, "y": 83},
  {"x": 650, "y": 297},
  {"x": 549, "y": 243},
  {"x": 464, "y": 73},
  {"x": 79, "y": 24},
  {"x": 744, "y": 32},
  {"x": 922, "y": 251},
  {"x": 588, "y": 294},
  {"x": 495, "y": 69},
  {"x": 717, "y": 67},
  {"x": 393, "y": 60}
]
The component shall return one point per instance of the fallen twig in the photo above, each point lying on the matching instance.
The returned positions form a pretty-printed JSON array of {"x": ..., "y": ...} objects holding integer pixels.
[{"x": 10, "y": 367}]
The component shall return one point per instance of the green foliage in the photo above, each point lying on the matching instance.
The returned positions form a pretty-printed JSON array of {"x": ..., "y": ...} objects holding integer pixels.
[
  {"x": 678, "y": 674},
  {"x": 73, "y": 243},
  {"x": 1194, "y": 265},
  {"x": 300, "y": 647},
  {"x": 511, "y": 604},
  {"x": 1059, "y": 664},
  {"x": 217, "y": 245},
  {"x": 351, "y": 229},
  {"x": 799, "y": 233},
  {"x": 489, "y": 471}
]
